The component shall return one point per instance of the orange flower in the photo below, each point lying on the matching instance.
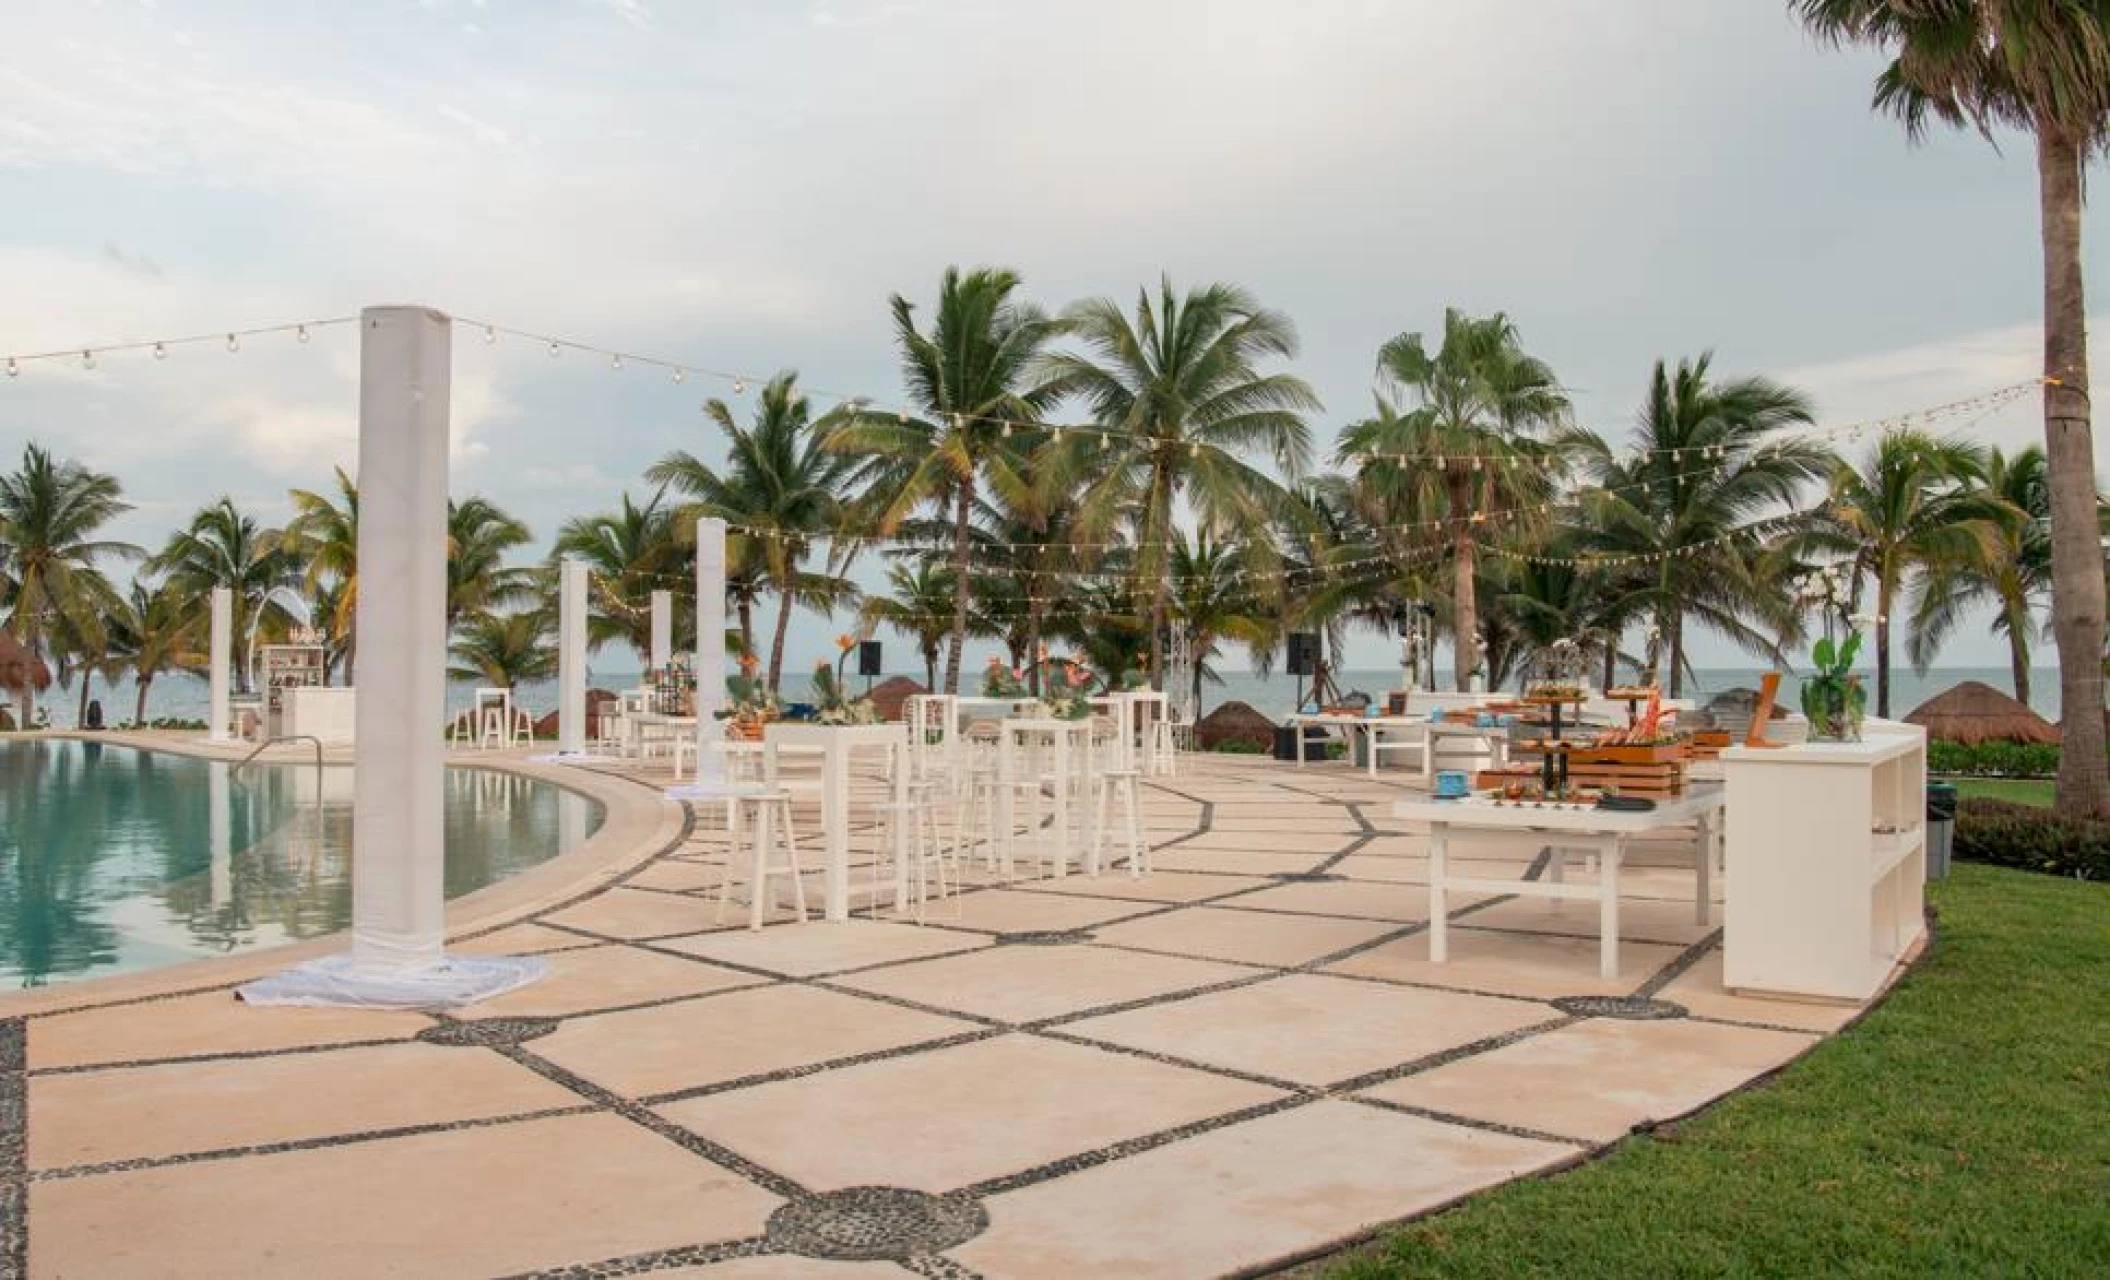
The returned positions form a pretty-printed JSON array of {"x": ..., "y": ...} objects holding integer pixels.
[
  {"x": 845, "y": 642},
  {"x": 748, "y": 662}
]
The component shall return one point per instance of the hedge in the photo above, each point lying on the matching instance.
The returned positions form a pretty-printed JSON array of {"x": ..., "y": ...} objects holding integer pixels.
[
  {"x": 1993, "y": 759},
  {"x": 2032, "y": 839}
]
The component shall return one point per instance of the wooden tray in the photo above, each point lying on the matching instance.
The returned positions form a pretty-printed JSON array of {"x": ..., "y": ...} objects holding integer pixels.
[{"x": 1662, "y": 753}]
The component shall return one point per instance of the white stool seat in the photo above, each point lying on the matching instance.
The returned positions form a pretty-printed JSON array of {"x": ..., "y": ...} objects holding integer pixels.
[{"x": 766, "y": 817}]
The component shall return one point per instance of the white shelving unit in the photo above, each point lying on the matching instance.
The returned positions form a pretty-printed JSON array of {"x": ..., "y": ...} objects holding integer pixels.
[{"x": 1827, "y": 863}]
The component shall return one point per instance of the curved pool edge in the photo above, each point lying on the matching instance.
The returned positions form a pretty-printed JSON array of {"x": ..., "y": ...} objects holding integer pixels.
[{"x": 638, "y": 823}]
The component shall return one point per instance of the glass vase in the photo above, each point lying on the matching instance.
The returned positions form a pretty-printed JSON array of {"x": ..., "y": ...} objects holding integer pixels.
[{"x": 1834, "y": 708}]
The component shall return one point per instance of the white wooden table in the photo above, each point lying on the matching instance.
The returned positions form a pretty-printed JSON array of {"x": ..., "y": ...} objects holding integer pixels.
[
  {"x": 1495, "y": 737},
  {"x": 1067, "y": 742},
  {"x": 1602, "y": 831},
  {"x": 834, "y": 743}
]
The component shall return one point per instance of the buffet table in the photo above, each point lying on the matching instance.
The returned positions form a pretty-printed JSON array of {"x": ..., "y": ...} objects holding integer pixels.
[{"x": 1585, "y": 828}]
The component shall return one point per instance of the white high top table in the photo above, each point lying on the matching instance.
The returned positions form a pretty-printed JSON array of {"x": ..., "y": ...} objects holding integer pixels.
[
  {"x": 1603, "y": 831},
  {"x": 835, "y": 742}
]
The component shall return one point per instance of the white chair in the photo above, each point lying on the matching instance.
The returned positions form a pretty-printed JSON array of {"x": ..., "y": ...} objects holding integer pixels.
[
  {"x": 764, "y": 817},
  {"x": 493, "y": 714},
  {"x": 910, "y": 853},
  {"x": 1111, "y": 786}
]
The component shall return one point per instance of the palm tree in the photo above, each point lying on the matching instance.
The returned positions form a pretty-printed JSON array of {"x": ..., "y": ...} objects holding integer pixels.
[
  {"x": 1180, "y": 393},
  {"x": 2042, "y": 66},
  {"x": 1476, "y": 405},
  {"x": 1912, "y": 504},
  {"x": 2009, "y": 571},
  {"x": 324, "y": 536},
  {"x": 223, "y": 547},
  {"x": 157, "y": 632},
  {"x": 781, "y": 484},
  {"x": 480, "y": 534},
  {"x": 919, "y": 604},
  {"x": 50, "y": 514},
  {"x": 1690, "y": 501},
  {"x": 505, "y": 650},
  {"x": 968, "y": 377},
  {"x": 1212, "y": 603},
  {"x": 629, "y": 553}
]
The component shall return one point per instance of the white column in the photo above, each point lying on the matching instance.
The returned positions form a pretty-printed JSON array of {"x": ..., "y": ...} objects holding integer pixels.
[
  {"x": 710, "y": 649},
  {"x": 571, "y": 658},
  {"x": 398, "y": 787},
  {"x": 222, "y": 659},
  {"x": 662, "y": 629}
]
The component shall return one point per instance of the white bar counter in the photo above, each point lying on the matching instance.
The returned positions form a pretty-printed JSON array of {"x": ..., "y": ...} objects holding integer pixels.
[{"x": 1827, "y": 863}]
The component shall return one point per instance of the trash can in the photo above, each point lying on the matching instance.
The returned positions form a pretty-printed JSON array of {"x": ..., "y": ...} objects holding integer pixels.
[
  {"x": 1941, "y": 828},
  {"x": 1315, "y": 739}
]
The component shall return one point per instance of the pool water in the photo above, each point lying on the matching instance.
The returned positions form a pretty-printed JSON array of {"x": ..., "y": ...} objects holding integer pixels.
[{"x": 114, "y": 859}]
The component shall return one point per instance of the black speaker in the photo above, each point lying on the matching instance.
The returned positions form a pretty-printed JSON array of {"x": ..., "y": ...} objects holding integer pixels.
[
  {"x": 868, "y": 657},
  {"x": 1303, "y": 653}
]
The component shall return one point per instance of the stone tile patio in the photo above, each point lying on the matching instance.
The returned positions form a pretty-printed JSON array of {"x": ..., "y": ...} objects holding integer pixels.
[{"x": 1241, "y": 1060}]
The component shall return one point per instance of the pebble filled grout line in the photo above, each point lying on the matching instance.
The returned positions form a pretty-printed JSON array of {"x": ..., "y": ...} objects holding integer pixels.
[
  {"x": 12, "y": 1124},
  {"x": 14, "y": 1149}
]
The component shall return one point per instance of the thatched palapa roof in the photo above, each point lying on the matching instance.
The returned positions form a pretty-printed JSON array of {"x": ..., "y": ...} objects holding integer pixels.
[
  {"x": 1234, "y": 722},
  {"x": 19, "y": 668},
  {"x": 1974, "y": 712},
  {"x": 890, "y": 696}
]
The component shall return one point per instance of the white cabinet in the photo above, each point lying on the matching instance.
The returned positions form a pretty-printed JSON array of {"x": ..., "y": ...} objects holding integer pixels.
[{"x": 1827, "y": 863}]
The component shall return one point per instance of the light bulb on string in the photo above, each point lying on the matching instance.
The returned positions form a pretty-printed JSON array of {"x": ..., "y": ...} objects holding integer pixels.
[
  {"x": 739, "y": 386},
  {"x": 553, "y": 351},
  {"x": 615, "y": 362},
  {"x": 87, "y": 359},
  {"x": 490, "y": 335},
  {"x": 160, "y": 352},
  {"x": 300, "y": 334},
  {"x": 13, "y": 370},
  {"x": 234, "y": 344},
  {"x": 680, "y": 375}
]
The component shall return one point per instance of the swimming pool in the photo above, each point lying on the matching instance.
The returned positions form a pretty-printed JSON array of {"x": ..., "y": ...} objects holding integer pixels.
[{"x": 115, "y": 859}]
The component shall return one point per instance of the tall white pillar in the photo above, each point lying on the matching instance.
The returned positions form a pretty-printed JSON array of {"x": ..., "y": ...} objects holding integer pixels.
[
  {"x": 710, "y": 650},
  {"x": 222, "y": 659},
  {"x": 400, "y": 701},
  {"x": 662, "y": 629},
  {"x": 571, "y": 658}
]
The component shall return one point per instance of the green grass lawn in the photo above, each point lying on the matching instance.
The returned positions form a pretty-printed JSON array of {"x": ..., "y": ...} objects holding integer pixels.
[
  {"x": 2036, "y": 791},
  {"x": 1960, "y": 1129}
]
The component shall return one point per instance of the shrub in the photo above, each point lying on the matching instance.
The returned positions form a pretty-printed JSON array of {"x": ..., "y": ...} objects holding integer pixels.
[
  {"x": 1993, "y": 759},
  {"x": 2032, "y": 839},
  {"x": 1238, "y": 747}
]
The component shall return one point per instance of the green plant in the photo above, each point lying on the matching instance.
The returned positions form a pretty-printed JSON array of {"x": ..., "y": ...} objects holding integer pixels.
[
  {"x": 2032, "y": 839},
  {"x": 1238, "y": 747},
  {"x": 1993, "y": 759},
  {"x": 1000, "y": 681},
  {"x": 1832, "y": 696}
]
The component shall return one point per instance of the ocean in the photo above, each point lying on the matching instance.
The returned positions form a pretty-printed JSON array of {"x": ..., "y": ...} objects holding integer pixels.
[{"x": 185, "y": 697}]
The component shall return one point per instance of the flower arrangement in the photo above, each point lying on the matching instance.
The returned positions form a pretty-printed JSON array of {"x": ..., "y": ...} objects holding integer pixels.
[
  {"x": 1068, "y": 690},
  {"x": 752, "y": 705},
  {"x": 1000, "y": 681},
  {"x": 1833, "y": 697},
  {"x": 832, "y": 701}
]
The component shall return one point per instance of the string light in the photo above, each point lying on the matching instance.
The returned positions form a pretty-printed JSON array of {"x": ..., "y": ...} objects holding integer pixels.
[
  {"x": 300, "y": 334},
  {"x": 615, "y": 362},
  {"x": 160, "y": 352},
  {"x": 739, "y": 386},
  {"x": 490, "y": 335},
  {"x": 87, "y": 359},
  {"x": 234, "y": 344},
  {"x": 13, "y": 370}
]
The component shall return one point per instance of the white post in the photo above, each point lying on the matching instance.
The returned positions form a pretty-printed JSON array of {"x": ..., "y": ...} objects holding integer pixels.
[
  {"x": 571, "y": 658},
  {"x": 222, "y": 659},
  {"x": 399, "y": 782},
  {"x": 662, "y": 629},
  {"x": 710, "y": 650},
  {"x": 401, "y": 696}
]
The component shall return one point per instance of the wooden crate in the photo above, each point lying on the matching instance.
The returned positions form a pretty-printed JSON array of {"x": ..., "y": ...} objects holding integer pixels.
[
  {"x": 1658, "y": 780},
  {"x": 1708, "y": 744}
]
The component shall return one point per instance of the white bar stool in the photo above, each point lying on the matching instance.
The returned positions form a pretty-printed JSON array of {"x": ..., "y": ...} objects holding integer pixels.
[{"x": 769, "y": 832}]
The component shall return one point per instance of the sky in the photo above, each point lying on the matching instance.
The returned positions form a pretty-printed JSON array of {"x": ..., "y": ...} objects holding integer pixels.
[{"x": 739, "y": 185}]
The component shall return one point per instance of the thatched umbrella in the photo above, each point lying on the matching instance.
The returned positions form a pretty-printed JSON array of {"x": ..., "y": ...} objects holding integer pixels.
[
  {"x": 20, "y": 670},
  {"x": 1234, "y": 722},
  {"x": 1972, "y": 713}
]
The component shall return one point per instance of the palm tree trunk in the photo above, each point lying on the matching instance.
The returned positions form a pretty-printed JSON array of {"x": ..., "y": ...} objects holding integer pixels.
[
  {"x": 1676, "y": 631},
  {"x": 747, "y": 627},
  {"x": 1033, "y": 645},
  {"x": 139, "y": 704},
  {"x": 1883, "y": 593},
  {"x": 2069, "y": 448},
  {"x": 80, "y": 716},
  {"x": 930, "y": 668},
  {"x": 1465, "y": 605},
  {"x": 956, "y": 644},
  {"x": 1161, "y": 576},
  {"x": 776, "y": 645},
  {"x": 2018, "y": 623}
]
